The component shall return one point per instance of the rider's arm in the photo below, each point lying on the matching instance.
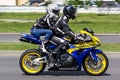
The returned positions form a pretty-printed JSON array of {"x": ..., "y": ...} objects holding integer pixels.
[
  {"x": 60, "y": 31},
  {"x": 56, "y": 28},
  {"x": 67, "y": 30},
  {"x": 50, "y": 21}
]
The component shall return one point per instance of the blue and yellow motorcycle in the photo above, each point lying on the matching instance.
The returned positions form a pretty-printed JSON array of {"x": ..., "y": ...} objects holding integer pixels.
[{"x": 80, "y": 54}]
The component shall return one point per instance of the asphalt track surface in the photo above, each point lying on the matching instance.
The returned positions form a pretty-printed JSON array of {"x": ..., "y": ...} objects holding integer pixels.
[
  {"x": 9, "y": 70},
  {"x": 105, "y": 38}
]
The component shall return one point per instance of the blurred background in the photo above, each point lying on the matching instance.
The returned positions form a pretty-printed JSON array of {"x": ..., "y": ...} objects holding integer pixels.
[
  {"x": 99, "y": 3},
  {"x": 84, "y": 6}
]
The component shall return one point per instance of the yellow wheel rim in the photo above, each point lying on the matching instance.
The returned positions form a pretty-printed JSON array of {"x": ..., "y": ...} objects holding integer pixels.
[
  {"x": 26, "y": 63},
  {"x": 99, "y": 67}
]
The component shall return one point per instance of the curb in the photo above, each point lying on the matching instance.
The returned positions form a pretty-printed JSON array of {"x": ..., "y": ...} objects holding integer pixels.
[{"x": 17, "y": 20}]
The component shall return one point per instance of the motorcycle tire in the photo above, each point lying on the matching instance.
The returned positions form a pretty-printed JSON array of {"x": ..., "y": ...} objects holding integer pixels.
[
  {"x": 96, "y": 69},
  {"x": 25, "y": 60}
]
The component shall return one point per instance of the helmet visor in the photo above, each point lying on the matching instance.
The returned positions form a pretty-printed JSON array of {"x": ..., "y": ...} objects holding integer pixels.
[{"x": 56, "y": 12}]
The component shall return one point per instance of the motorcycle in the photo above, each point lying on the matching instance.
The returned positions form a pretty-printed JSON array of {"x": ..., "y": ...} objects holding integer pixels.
[{"x": 80, "y": 54}]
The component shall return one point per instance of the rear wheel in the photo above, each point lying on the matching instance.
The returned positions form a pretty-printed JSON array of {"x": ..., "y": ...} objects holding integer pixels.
[
  {"x": 98, "y": 68},
  {"x": 26, "y": 62}
]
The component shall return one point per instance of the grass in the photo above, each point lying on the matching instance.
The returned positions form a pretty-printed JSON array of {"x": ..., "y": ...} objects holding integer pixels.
[
  {"x": 107, "y": 23},
  {"x": 14, "y": 27},
  {"x": 110, "y": 47},
  {"x": 21, "y": 16},
  {"x": 24, "y": 46},
  {"x": 16, "y": 46}
]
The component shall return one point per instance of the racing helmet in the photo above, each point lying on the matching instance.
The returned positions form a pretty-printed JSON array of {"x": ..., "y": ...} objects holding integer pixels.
[
  {"x": 70, "y": 11},
  {"x": 53, "y": 10}
]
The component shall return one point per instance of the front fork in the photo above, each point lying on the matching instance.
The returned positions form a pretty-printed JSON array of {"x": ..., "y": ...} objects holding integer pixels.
[
  {"x": 93, "y": 55},
  {"x": 93, "y": 58},
  {"x": 91, "y": 52}
]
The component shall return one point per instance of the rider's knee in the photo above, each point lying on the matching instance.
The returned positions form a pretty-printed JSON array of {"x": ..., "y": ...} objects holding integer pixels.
[{"x": 50, "y": 32}]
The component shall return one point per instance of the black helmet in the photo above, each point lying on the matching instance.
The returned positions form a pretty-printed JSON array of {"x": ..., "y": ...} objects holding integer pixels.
[{"x": 69, "y": 11}]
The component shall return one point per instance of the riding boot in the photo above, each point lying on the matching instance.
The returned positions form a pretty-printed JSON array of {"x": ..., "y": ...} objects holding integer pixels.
[
  {"x": 43, "y": 46},
  {"x": 45, "y": 41},
  {"x": 56, "y": 51},
  {"x": 54, "y": 68}
]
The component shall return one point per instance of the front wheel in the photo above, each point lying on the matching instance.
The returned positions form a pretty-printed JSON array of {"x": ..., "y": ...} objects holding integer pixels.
[
  {"x": 98, "y": 68},
  {"x": 27, "y": 64}
]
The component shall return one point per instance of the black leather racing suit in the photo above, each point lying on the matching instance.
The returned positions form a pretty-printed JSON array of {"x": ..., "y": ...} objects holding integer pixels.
[
  {"x": 42, "y": 27},
  {"x": 45, "y": 22},
  {"x": 62, "y": 29}
]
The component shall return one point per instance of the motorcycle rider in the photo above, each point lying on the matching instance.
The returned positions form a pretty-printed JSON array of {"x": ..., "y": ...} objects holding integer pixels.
[
  {"x": 42, "y": 25},
  {"x": 61, "y": 29}
]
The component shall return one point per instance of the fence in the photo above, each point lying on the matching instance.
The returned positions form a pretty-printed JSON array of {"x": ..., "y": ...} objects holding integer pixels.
[{"x": 105, "y": 10}]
